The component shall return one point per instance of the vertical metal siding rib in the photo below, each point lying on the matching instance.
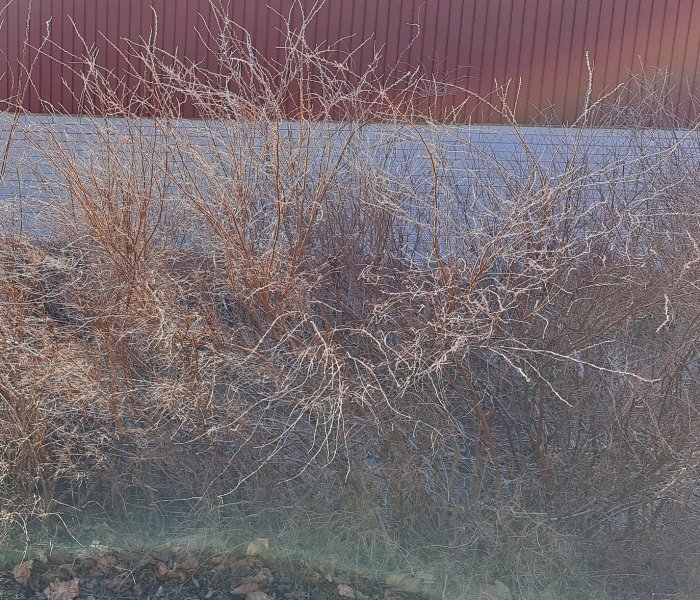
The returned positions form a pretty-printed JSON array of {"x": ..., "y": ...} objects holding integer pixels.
[
  {"x": 100, "y": 14},
  {"x": 549, "y": 66},
  {"x": 515, "y": 49},
  {"x": 422, "y": 52},
  {"x": 656, "y": 31},
  {"x": 680, "y": 66},
  {"x": 392, "y": 39},
  {"x": 534, "y": 26},
  {"x": 667, "y": 31},
  {"x": 358, "y": 37},
  {"x": 5, "y": 78},
  {"x": 69, "y": 42},
  {"x": 14, "y": 51},
  {"x": 500, "y": 54},
  {"x": 640, "y": 39},
  {"x": 692, "y": 58},
  {"x": 669, "y": 46},
  {"x": 48, "y": 81},
  {"x": 87, "y": 26},
  {"x": 34, "y": 39},
  {"x": 368, "y": 37},
  {"x": 578, "y": 79},
  {"x": 592, "y": 40},
  {"x": 141, "y": 24},
  {"x": 536, "y": 78},
  {"x": 615, "y": 48},
  {"x": 6, "y": 25},
  {"x": 381, "y": 31},
  {"x": 124, "y": 32},
  {"x": 570, "y": 59},
  {"x": 460, "y": 23},
  {"x": 189, "y": 50},
  {"x": 18, "y": 50},
  {"x": 563, "y": 60},
  {"x": 629, "y": 35},
  {"x": 180, "y": 29},
  {"x": 347, "y": 39},
  {"x": 440, "y": 55},
  {"x": 488, "y": 58},
  {"x": 358, "y": 28},
  {"x": 680, "y": 46},
  {"x": 602, "y": 48},
  {"x": 475, "y": 59},
  {"x": 406, "y": 35},
  {"x": 111, "y": 30},
  {"x": 42, "y": 80},
  {"x": 203, "y": 39},
  {"x": 479, "y": 57}
]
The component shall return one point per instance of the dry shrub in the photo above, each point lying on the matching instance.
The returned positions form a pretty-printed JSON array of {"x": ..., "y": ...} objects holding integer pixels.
[{"x": 436, "y": 355}]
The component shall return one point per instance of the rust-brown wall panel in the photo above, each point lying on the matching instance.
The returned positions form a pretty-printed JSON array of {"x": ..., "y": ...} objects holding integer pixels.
[
  {"x": 566, "y": 64},
  {"x": 34, "y": 33},
  {"x": 502, "y": 37},
  {"x": 681, "y": 42},
  {"x": 5, "y": 78},
  {"x": 458, "y": 44},
  {"x": 552, "y": 42},
  {"x": 576, "y": 19},
  {"x": 690, "y": 74},
  {"x": 514, "y": 40},
  {"x": 532, "y": 74},
  {"x": 472, "y": 43}
]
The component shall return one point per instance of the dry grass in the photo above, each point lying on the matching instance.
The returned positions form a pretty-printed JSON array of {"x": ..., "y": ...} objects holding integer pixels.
[{"x": 376, "y": 342}]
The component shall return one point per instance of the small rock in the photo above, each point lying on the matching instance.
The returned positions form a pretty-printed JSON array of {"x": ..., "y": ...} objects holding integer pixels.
[
  {"x": 404, "y": 582},
  {"x": 346, "y": 591},
  {"x": 240, "y": 569},
  {"x": 263, "y": 576},
  {"x": 245, "y": 589},
  {"x": 257, "y": 596},
  {"x": 107, "y": 560},
  {"x": 117, "y": 582},
  {"x": 257, "y": 547},
  {"x": 187, "y": 563},
  {"x": 497, "y": 591},
  {"x": 220, "y": 559},
  {"x": 251, "y": 585}
]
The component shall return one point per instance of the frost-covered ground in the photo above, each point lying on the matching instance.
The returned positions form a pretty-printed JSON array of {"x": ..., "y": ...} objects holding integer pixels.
[{"x": 496, "y": 156}]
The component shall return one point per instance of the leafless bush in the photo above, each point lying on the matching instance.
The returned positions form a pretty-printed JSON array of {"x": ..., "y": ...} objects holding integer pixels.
[{"x": 268, "y": 306}]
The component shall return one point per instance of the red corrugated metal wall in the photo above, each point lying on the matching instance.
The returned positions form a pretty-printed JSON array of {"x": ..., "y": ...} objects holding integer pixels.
[{"x": 473, "y": 42}]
